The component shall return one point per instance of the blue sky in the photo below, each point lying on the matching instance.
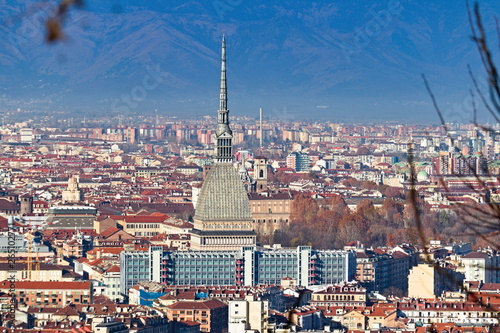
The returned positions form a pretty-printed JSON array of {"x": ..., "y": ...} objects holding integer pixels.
[{"x": 328, "y": 60}]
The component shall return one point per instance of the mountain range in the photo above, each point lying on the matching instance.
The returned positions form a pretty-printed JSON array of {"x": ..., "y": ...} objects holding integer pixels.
[{"x": 327, "y": 60}]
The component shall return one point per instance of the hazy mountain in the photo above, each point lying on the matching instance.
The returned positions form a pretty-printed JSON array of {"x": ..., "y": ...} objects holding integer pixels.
[{"x": 336, "y": 60}]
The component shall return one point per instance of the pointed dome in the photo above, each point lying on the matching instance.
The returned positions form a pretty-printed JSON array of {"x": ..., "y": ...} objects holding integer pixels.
[{"x": 223, "y": 196}]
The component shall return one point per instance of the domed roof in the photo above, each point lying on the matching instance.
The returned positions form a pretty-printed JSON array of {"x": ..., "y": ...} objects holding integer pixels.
[
  {"x": 422, "y": 176},
  {"x": 223, "y": 196}
]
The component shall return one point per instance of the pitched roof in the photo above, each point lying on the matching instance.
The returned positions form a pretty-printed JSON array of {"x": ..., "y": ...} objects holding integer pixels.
[
  {"x": 476, "y": 255},
  {"x": 211, "y": 304},
  {"x": 113, "y": 269},
  {"x": 109, "y": 232},
  {"x": 51, "y": 285}
]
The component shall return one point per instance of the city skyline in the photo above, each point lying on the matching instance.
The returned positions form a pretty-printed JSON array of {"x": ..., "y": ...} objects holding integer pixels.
[
  {"x": 130, "y": 203},
  {"x": 291, "y": 59}
]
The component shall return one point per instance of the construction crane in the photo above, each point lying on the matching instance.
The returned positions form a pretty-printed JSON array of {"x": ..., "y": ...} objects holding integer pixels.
[{"x": 29, "y": 261}]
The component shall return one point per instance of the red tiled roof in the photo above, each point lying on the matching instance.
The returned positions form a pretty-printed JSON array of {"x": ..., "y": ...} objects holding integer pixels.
[
  {"x": 51, "y": 285},
  {"x": 114, "y": 269},
  {"x": 212, "y": 304},
  {"x": 109, "y": 232},
  {"x": 111, "y": 250}
]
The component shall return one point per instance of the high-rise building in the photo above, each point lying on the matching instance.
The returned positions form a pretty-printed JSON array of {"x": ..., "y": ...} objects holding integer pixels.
[
  {"x": 223, "y": 220},
  {"x": 298, "y": 161}
]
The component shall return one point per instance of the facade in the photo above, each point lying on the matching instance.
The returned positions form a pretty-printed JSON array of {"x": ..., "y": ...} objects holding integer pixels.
[
  {"x": 456, "y": 164},
  {"x": 107, "y": 275},
  {"x": 340, "y": 295},
  {"x": 73, "y": 194},
  {"x": 12, "y": 204},
  {"x": 430, "y": 280},
  {"x": 143, "y": 225},
  {"x": 248, "y": 314},
  {"x": 51, "y": 294},
  {"x": 379, "y": 271},
  {"x": 354, "y": 320},
  {"x": 298, "y": 161},
  {"x": 271, "y": 211},
  {"x": 429, "y": 313},
  {"x": 135, "y": 266},
  {"x": 260, "y": 174},
  {"x": 482, "y": 266},
  {"x": 212, "y": 315},
  {"x": 38, "y": 272},
  {"x": 249, "y": 266}
]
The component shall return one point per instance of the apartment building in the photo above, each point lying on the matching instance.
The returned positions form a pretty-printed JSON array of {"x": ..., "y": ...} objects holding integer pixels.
[
  {"x": 53, "y": 293},
  {"x": 212, "y": 315}
]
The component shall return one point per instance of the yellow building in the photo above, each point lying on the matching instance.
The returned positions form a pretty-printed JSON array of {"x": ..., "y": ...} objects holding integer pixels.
[{"x": 354, "y": 320}]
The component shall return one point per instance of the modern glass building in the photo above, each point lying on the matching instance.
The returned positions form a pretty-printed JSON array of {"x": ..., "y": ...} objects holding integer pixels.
[
  {"x": 135, "y": 266},
  {"x": 249, "y": 266}
]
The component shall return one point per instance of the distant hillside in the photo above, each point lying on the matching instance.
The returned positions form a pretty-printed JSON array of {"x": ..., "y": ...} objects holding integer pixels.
[{"x": 322, "y": 58}]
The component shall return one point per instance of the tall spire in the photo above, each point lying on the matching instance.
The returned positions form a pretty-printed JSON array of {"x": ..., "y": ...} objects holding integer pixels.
[
  {"x": 223, "y": 133},
  {"x": 223, "y": 86}
]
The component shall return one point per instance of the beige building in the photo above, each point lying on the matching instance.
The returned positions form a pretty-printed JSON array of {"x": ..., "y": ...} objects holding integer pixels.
[
  {"x": 248, "y": 314},
  {"x": 50, "y": 293},
  {"x": 354, "y": 320},
  {"x": 421, "y": 281},
  {"x": 430, "y": 280},
  {"x": 383, "y": 315},
  {"x": 212, "y": 315},
  {"x": 102, "y": 223},
  {"x": 38, "y": 272},
  {"x": 341, "y": 295},
  {"x": 270, "y": 212},
  {"x": 150, "y": 225},
  {"x": 142, "y": 225},
  {"x": 73, "y": 194}
]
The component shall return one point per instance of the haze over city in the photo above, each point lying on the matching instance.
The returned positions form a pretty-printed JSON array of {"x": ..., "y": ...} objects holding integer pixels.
[
  {"x": 321, "y": 60},
  {"x": 249, "y": 167}
]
